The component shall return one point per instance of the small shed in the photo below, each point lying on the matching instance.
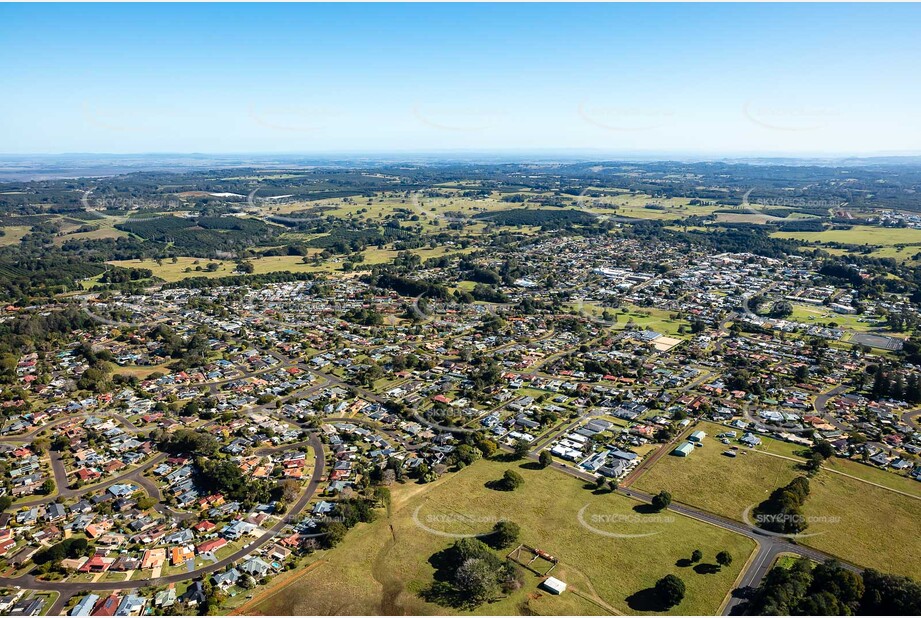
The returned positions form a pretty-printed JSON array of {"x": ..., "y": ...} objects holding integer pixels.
[
  {"x": 553, "y": 585},
  {"x": 697, "y": 436},
  {"x": 684, "y": 449}
]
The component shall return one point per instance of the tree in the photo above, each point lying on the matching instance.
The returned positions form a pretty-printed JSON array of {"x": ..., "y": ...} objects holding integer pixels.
[
  {"x": 696, "y": 556},
  {"x": 844, "y": 585},
  {"x": 511, "y": 480},
  {"x": 890, "y": 595},
  {"x": 382, "y": 496},
  {"x": 467, "y": 454},
  {"x": 487, "y": 446},
  {"x": 333, "y": 533},
  {"x": 823, "y": 448},
  {"x": 521, "y": 449},
  {"x": 246, "y": 582},
  {"x": 41, "y": 445},
  {"x": 661, "y": 500},
  {"x": 724, "y": 558},
  {"x": 476, "y": 579},
  {"x": 545, "y": 459},
  {"x": 670, "y": 590},
  {"x": 476, "y": 574},
  {"x": 288, "y": 490},
  {"x": 813, "y": 464},
  {"x": 505, "y": 533}
]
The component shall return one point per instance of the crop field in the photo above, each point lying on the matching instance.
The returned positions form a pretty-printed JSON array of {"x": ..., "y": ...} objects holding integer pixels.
[{"x": 382, "y": 567}]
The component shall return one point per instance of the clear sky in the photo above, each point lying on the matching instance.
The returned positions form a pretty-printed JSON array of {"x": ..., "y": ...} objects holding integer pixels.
[{"x": 719, "y": 79}]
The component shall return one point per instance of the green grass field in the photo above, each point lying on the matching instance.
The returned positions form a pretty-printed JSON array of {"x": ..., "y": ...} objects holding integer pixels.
[
  {"x": 381, "y": 567},
  {"x": 873, "y": 474},
  {"x": 714, "y": 482},
  {"x": 13, "y": 234},
  {"x": 658, "y": 320},
  {"x": 808, "y": 314},
  {"x": 171, "y": 271},
  {"x": 860, "y": 235},
  {"x": 867, "y": 525}
]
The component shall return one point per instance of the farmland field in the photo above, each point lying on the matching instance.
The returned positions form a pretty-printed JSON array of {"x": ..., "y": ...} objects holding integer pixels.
[
  {"x": 13, "y": 234},
  {"x": 381, "y": 567},
  {"x": 859, "y": 235},
  {"x": 170, "y": 271}
]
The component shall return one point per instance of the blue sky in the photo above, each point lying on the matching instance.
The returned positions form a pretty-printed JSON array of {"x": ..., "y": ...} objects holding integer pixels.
[{"x": 712, "y": 79}]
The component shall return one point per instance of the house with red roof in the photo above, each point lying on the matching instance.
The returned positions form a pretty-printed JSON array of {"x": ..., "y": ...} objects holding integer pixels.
[{"x": 211, "y": 546}]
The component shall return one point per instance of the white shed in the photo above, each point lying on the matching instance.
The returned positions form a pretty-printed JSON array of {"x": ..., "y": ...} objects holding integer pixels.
[{"x": 553, "y": 585}]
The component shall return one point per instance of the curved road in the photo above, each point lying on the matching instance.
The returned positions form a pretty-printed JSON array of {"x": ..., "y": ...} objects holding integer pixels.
[
  {"x": 769, "y": 547},
  {"x": 68, "y": 589}
]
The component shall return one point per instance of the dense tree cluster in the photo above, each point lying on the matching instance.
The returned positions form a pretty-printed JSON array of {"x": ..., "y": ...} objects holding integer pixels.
[
  {"x": 782, "y": 510},
  {"x": 471, "y": 574},
  {"x": 830, "y": 589},
  {"x": 68, "y": 548}
]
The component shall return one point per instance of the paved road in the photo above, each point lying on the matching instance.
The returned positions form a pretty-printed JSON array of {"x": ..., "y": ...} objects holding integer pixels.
[
  {"x": 821, "y": 403},
  {"x": 32, "y": 433},
  {"x": 910, "y": 418},
  {"x": 68, "y": 589},
  {"x": 769, "y": 546},
  {"x": 136, "y": 475}
]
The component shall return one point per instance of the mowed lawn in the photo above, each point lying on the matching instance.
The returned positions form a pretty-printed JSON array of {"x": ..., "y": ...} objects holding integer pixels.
[
  {"x": 867, "y": 525},
  {"x": 381, "y": 568},
  {"x": 658, "y": 320},
  {"x": 716, "y": 483}
]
